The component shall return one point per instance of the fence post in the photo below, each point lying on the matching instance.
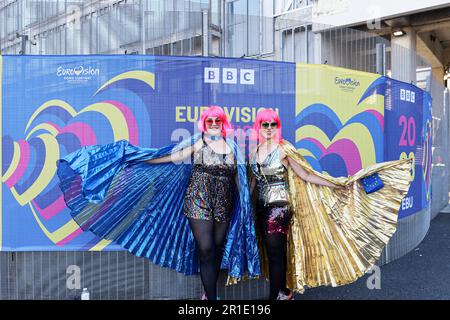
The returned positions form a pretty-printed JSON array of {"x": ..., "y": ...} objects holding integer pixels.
[
  {"x": 381, "y": 58},
  {"x": 205, "y": 33}
]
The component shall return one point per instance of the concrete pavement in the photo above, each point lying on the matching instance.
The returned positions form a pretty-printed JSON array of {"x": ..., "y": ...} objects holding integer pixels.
[{"x": 423, "y": 273}]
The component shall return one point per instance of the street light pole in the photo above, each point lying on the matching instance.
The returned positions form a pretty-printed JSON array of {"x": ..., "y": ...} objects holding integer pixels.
[
  {"x": 24, "y": 42},
  {"x": 381, "y": 58}
]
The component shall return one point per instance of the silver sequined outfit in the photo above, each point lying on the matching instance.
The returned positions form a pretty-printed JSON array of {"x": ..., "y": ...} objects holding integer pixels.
[
  {"x": 211, "y": 186},
  {"x": 271, "y": 218}
]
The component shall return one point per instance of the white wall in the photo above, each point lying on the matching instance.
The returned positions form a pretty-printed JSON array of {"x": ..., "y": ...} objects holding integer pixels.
[{"x": 354, "y": 12}]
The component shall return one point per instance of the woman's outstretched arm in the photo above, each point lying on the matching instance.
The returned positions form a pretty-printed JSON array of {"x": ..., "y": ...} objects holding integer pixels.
[
  {"x": 309, "y": 177},
  {"x": 177, "y": 156}
]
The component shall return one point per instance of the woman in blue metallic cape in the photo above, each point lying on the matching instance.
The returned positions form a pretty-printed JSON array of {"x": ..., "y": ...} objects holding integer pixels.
[{"x": 113, "y": 191}]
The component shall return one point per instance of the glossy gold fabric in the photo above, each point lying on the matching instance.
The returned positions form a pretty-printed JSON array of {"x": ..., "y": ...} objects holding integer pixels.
[{"x": 337, "y": 235}]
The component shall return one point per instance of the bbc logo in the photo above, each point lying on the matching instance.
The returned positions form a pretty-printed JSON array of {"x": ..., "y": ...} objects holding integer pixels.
[
  {"x": 229, "y": 76},
  {"x": 407, "y": 95}
]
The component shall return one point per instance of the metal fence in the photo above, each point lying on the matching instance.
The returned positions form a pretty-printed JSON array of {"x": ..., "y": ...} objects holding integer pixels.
[{"x": 108, "y": 275}]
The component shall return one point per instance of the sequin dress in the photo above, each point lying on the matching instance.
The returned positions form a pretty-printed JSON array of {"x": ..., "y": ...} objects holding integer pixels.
[
  {"x": 271, "y": 218},
  {"x": 211, "y": 185}
]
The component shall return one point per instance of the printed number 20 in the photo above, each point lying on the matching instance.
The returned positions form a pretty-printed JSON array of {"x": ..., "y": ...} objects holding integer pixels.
[{"x": 408, "y": 136}]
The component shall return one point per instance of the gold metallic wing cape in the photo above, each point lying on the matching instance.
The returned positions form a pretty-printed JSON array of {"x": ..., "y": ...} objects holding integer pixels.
[{"x": 337, "y": 235}]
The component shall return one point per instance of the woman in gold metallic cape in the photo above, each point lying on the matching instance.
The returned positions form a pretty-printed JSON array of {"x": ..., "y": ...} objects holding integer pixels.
[{"x": 337, "y": 234}]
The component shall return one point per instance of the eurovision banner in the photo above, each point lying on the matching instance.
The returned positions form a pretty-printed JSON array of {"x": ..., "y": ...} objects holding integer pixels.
[
  {"x": 408, "y": 135},
  {"x": 53, "y": 105},
  {"x": 347, "y": 120}
]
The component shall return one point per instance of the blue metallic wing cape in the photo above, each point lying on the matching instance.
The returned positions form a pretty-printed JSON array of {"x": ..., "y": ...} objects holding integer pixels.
[{"x": 112, "y": 192}]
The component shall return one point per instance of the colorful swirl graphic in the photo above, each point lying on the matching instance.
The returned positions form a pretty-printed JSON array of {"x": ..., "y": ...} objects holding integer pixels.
[
  {"x": 53, "y": 130},
  {"x": 341, "y": 149}
]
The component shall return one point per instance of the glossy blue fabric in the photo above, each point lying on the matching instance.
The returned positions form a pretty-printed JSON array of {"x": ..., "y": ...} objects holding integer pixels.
[{"x": 112, "y": 192}]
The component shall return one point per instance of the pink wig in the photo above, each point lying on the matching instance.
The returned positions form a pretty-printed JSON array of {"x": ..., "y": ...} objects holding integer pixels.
[
  {"x": 214, "y": 111},
  {"x": 266, "y": 116}
]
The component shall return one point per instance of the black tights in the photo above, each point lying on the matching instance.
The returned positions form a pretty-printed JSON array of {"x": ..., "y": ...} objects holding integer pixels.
[
  {"x": 276, "y": 254},
  {"x": 209, "y": 237}
]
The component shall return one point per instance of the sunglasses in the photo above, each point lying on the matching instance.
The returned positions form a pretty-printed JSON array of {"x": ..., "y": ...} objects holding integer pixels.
[
  {"x": 210, "y": 121},
  {"x": 266, "y": 125}
]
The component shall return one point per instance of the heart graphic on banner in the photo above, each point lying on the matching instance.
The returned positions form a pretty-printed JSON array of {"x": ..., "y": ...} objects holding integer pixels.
[
  {"x": 31, "y": 166},
  {"x": 78, "y": 70},
  {"x": 339, "y": 147}
]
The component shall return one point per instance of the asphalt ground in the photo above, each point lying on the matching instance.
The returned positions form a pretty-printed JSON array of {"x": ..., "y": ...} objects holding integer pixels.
[{"x": 423, "y": 273}]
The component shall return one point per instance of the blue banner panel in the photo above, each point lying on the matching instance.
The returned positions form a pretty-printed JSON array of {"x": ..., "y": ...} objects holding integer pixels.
[
  {"x": 408, "y": 135},
  {"x": 53, "y": 105}
]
